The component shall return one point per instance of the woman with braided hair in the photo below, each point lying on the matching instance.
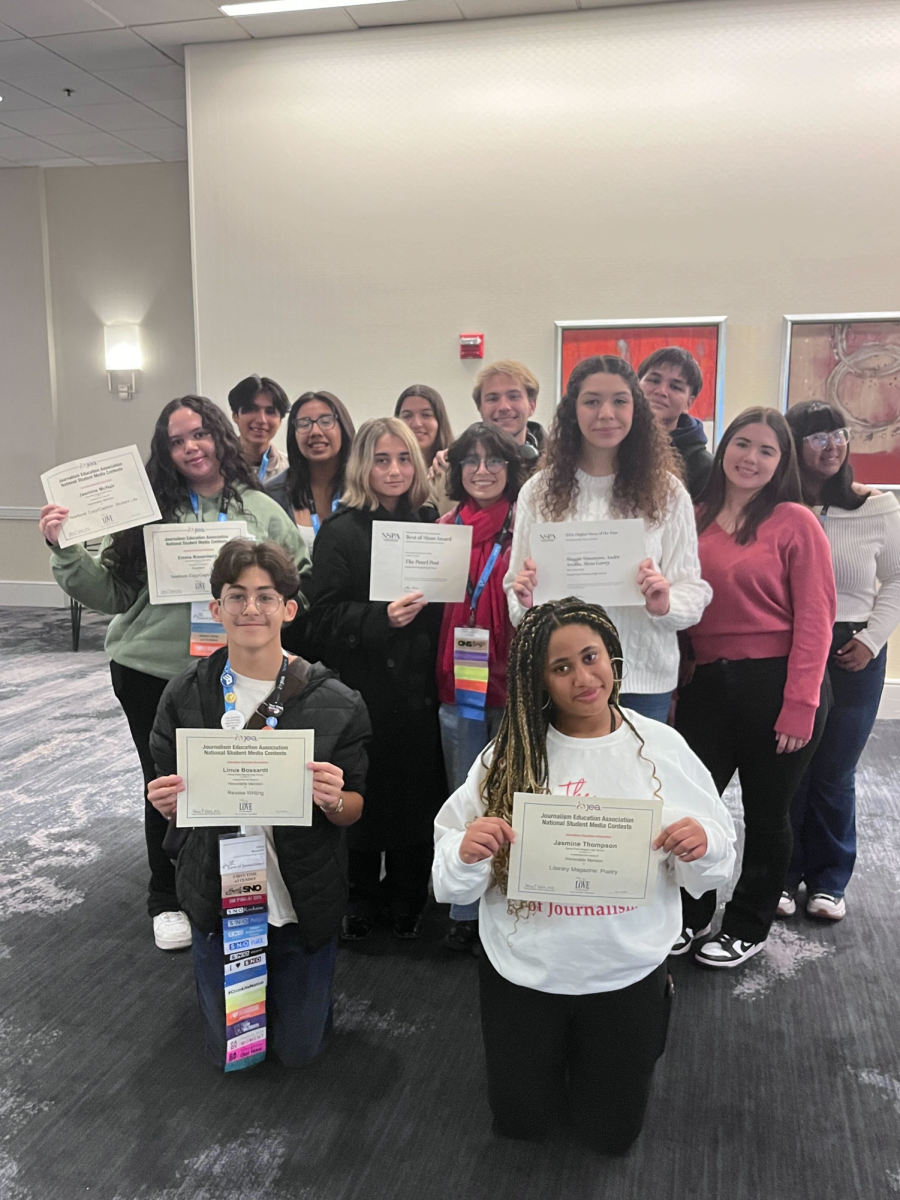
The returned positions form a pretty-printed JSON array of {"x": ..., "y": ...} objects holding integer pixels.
[{"x": 574, "y": 999}]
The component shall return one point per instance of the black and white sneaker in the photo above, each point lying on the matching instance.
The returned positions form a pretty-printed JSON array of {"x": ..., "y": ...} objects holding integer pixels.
[
  {"x": 726, "y": 951},
  {"x": 686, "y": 939}
]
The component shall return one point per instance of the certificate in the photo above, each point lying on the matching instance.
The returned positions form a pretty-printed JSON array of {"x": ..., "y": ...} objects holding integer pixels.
[
  {"x": 247, "y": 777},
  {"x": 180, "y": 558},
  {"x": 104, "y": 494},
  {"x": 408, "y": 556},
  {"x": 583, "y": 847},
  {"x": 596, "y": 561}
]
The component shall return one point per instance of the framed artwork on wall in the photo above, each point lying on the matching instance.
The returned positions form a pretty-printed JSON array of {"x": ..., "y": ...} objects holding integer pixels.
[
  {"x": 633, "y": 340},
  {"x": 850, "y": 360}
]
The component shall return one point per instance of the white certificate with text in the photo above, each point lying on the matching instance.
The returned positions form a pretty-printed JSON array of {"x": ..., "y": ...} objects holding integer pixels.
[
  {"x": 584, "y": 846},
  {"x": 245, "y": 777},
  {"x": 596, "y": 561},
  {"x": 180, "y": 558},
  {"x": 104, "y": 493},
  {"x": 408, "y": 556}
]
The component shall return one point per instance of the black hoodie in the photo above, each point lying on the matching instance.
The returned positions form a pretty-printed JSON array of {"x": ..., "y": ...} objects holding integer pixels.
[{"x": 689, "y": 439}]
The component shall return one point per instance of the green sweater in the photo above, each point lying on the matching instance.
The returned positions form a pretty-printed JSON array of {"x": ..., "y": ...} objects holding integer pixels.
[{"x": 155, "y": 638}]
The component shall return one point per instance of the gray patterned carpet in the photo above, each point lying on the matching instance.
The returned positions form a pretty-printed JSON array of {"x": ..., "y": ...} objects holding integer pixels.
[{"x": 781, "y": 1082}]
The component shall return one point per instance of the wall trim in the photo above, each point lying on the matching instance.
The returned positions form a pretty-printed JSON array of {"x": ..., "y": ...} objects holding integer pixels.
[
  {"x": 32, "y": 593},
  {"x": 889, "y": 708},
  {"x": 19, "y": 512}
]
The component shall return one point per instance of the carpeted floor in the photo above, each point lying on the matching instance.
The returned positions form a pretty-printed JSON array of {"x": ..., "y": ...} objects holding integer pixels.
[{"x": 780, "y": 1082}]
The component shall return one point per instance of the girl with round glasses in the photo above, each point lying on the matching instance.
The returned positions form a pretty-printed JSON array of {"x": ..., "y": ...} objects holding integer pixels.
[
  {"x": 863, "y": 528},
  {"x": 319, "y": 433},
  {"x": 484, "y": 477}
]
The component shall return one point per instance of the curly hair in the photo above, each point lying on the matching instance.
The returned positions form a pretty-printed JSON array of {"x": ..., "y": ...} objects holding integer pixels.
[
  {"x": 519, "y": 762},
  {"x": 646, "y": 464},
  {"x": 124, "y": 556}
]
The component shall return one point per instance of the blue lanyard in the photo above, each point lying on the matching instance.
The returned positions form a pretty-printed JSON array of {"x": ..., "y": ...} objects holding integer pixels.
[
  {"x": 264, "y": 463},
  {"x": 316, "y": 523},
  {"x": 274, "y": 706},
  {"x": 473, "y": 591},
  {"x": 195, "y": 505}
]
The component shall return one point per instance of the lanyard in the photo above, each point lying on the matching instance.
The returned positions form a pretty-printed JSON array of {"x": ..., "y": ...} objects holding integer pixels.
[
  {"x": 231, "y": 718},
  {"x": 474, "y": 590},
  {"x": 263, "y": 466},
  {"x": 316, "y": 523},
  {"x": 195, "y": 505}
]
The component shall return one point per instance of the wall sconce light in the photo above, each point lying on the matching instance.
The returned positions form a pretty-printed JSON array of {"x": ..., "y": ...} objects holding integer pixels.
[{"x": 122, "y": 344}]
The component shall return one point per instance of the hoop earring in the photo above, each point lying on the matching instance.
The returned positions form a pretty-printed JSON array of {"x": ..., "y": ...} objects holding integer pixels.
[
  {"x": 624, "y": 671},
  {"x": 546, "y": 703}
]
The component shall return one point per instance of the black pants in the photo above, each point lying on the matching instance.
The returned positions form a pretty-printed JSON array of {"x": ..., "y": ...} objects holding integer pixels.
[
  {"x": 404, "y": 889},
  {"x": 139, "y": 695},
  {"x": 727, "y": 716},
  {"x": 595, "y": 1052}
]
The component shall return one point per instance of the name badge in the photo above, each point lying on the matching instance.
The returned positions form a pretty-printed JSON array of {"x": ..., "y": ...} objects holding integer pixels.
[{"x": 470, "y": 670}]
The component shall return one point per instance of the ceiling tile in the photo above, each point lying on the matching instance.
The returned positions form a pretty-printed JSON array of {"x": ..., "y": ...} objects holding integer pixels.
[
  {"x": 15, "y": 100},
  {"x": 49, "y": 85},
  {"x": 39, "y": 122},
  {"x": 475, "y": 9},
  {"x": 407, "y": 12},
  {"x": 40, "y": 18},
  {"x": 21, "y": 58},
  {"x": 173, "y": 37},
  {"x": 15, "y": 149},
  {"x": 95, "y": 141},
  {"x": 321, "y": 20},
  {"x": 146, "y": 83},
  {"x": 116, "y": 160},
  {"x": 170, "y": 141},
  {"x": 150, "y": 12},
  {"x": 175, "y": 110},
  {"x": 6, "y": 33},
  {"x": 108, "y": 50},
  {"x": 59, "y": 162},
  {"x": 113, "y": 117}
]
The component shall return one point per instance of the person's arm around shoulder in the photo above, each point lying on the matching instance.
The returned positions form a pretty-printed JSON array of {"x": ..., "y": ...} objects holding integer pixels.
[
  {"x": 465, "y": 842},
  {"x": 521, "y": 577},
  {"x": 687, "y": 592}
]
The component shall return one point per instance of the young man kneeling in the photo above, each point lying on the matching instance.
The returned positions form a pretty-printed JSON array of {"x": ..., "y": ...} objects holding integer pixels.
[{"x": 254, "y": 584}]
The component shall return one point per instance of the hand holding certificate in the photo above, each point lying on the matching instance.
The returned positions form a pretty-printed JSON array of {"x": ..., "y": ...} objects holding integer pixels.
[
  {"x": 568, "y": 846},
  {"x": 411, "y": 556},
  {"x": 598, "y": 561},
  {"x": 105, "y": 493},
  {"x": 180, "y": 558},
  {"x": 250, "y": 777}
]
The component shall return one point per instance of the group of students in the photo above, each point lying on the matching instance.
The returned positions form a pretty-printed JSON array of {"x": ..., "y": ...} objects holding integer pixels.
[{"x": 770, "y": 587}]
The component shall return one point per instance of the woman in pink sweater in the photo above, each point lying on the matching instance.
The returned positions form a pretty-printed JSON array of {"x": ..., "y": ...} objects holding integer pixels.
[{"x": 756, "y": 703}]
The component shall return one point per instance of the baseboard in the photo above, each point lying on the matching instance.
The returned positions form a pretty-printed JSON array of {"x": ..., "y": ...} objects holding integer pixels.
[
  {"x": 32, "y": 593},
  {"x": 889, "y": 708}
]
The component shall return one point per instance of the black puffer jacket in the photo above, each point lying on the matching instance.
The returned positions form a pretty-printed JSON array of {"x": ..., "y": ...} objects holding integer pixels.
[{"x": 312, "y": 859}]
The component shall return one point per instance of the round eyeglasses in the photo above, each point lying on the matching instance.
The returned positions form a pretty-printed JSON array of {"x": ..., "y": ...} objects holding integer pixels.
[
  {"x": 266, "y": 603},
  {"x": 326, "y": 421},
  {"x": 494, "y": 465},
  {"x": 837, "y": 437}
]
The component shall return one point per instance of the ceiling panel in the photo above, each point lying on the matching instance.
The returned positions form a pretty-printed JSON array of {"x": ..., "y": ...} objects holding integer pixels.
[
  {"x": 118, "y": 160},
  {"x": 476, "y": 9},
  {"x": 22, "y": 58},
  {"x": 39, "y": 18},
  {"x": 39, "y": 122},
  {"x": 322, "y": 20},
  {"x": 113, "y": 117},
  {"x": 95, "y": 141},
  {"x": 6, "y": 33},
  {"x": 173, "y": 37},
  {"x": 406, "y": 12},
  {"x": 19, "y": 147},
  {"x": 107, "y": 50},
  {"x": 14, "y": 100},
  {"x": 168, "y": 143},
  {"x": 49, "y": 86},
  {"x": 148, "y": 12},
  {"x": 173, "y": 110},
  {"x": 147, "y": 83}
]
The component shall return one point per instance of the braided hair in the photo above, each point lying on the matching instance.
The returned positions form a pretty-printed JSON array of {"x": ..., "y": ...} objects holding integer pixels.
[{"x": 519, "y": 762}]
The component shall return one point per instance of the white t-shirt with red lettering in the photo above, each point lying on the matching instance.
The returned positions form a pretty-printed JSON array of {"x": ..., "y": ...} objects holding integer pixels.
[{"x": 571, "y": 948}]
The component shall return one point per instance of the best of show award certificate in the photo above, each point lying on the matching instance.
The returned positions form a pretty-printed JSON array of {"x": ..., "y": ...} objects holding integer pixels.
[
  {"x": 583, "y": 846},
  {"x": 104, "y": 494},
  {"x": 180, "y": 558},
  {"x": 244, "y": 777},
  {"x": 596, "y": 561},
  {"x": 409, "y": 556}
]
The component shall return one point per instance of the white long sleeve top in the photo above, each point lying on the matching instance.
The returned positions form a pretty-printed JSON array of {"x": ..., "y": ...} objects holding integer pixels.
[
  {"x": 649, "y": 644},
  {"x": 865, "y": 549},
  {"x": 574, "y": 949}
]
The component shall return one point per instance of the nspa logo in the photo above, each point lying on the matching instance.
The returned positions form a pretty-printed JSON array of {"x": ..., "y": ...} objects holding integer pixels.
[
  {"x": 387, "y": 536},
  {"x": 547, "y": 537}
]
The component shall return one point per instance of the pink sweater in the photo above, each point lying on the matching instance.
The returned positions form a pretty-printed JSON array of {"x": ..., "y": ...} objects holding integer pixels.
[{"x": 772, "y": 598}]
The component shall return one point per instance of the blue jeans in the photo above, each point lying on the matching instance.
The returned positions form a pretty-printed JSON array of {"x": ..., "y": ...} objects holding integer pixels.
[
  {"x": 463, "y": 740},
  {"x": 823, "y": 811},
  {"x": 654, "y": 705},
  {"x": 298, "y": 995}
]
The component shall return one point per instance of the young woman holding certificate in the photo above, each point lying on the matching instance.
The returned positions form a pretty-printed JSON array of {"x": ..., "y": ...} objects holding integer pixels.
[
  {"x": 198, "y": 474},
  {"x": 574, "y": 995},
  {"x": 607, "y": 458},
  {"x": 756, "y": 703},
  {"x": 485, "y": 474},
  {"x": 387, "y": 652}
]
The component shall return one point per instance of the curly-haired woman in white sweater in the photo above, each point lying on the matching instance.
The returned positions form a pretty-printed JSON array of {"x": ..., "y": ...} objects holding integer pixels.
[{"x": 608, "y": 459}]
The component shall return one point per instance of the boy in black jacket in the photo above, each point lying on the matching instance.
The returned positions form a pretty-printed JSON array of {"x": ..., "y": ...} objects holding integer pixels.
[
  {"x": 254, "y": 584},
  {"x": 671, "y": 380}
]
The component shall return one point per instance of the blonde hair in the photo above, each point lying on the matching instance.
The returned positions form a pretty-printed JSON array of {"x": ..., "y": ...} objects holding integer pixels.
[
  {"x": 358, "y": 491},
  {"x": 507, "y": 366}
]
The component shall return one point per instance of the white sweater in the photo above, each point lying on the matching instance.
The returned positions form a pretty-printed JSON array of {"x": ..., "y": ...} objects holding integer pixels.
[
  {"x": 649, "y": 644},
  {"x": 865, "y": 548},
  {"x": 575, "y": 949}
]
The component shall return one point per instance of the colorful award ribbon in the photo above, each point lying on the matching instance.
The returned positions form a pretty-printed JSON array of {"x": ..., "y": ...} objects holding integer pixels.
[{"x": 242, "y": 862}]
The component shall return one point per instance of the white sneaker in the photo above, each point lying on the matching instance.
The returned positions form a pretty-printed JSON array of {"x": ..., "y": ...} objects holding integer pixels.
[
  {"x": 172, "y": 931},
  {"x": 821, "y": 904},
  {"x": 787, "y": 905},
  {"x": 726, "y": 951}
]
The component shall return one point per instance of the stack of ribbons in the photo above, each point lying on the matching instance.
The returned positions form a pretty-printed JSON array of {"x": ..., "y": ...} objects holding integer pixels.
[
  {"x": 245, "y": 925},
  {"x": 470, "y": 670}
]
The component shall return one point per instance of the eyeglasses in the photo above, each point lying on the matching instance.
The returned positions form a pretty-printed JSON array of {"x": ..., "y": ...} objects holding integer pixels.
[
  {"x": 326, "y": 421},
  {"x": 265, "y": 603},
  {"x": 819, "y": 441},
  {"x": 494, "y": 465}
]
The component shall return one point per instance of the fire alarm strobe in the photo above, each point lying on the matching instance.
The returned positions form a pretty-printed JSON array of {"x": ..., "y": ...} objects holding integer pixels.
[{"x": 471, "y": 345}]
